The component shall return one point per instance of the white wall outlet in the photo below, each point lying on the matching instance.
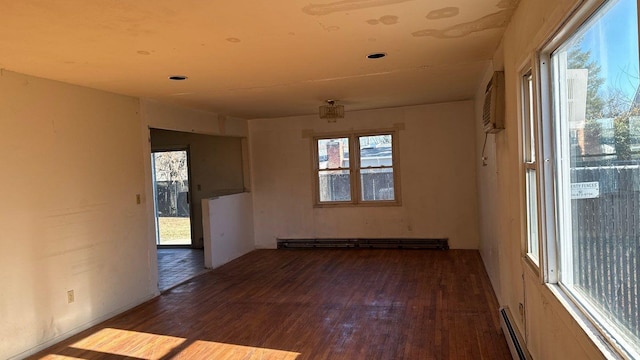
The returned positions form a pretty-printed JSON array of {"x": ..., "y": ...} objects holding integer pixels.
[{"x": 70, "y": 296}]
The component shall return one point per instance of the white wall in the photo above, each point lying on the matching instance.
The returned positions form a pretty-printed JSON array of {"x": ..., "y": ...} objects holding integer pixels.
[
  {"x": 437, "y": 164},
  {"x": 550, "y": 331},
  {"x": 72, "y": 161},
  {"x": 228, "y": 228}
]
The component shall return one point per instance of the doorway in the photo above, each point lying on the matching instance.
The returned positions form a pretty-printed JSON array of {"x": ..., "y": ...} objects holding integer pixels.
[{"x": 171, "y": 197}]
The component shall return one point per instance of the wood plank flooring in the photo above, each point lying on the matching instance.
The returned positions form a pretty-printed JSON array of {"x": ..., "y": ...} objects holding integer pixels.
[
  {"x": 176, "y": 265},
  {"x": 312, "y": 304}
]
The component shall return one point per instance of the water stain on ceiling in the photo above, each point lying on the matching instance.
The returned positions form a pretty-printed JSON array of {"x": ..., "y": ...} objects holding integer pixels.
[
  {"x": 385, "y": 20},
  {"x": 132, "y": 47},
  {"x": 508, "y": 4},
  {"x": 329, "y": 28},
  {"x": 346, "y": 5},
  {"x": 492, "y": 21},
  {"x": 443, "y": 13},
  {"x": 496, "y": 20}
]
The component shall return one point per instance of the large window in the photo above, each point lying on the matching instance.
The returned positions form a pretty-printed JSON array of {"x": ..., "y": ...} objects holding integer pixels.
[
  {"x": 594, "y": 138},
  {"x": 356, "y": 169}
]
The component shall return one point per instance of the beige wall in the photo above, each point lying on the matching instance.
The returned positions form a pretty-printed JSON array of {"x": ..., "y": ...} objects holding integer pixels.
[
  {"x": 437, "y": 163},
  {"x": 550, "y": 331},
  {"x": 72, "y": 161}
]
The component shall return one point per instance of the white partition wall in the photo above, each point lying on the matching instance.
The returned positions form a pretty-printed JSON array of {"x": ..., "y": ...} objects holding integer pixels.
[{"x": 228, "y": 228}]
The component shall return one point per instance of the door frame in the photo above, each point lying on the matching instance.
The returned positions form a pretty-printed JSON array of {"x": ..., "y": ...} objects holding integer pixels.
[{"x": 158, "y": 149}]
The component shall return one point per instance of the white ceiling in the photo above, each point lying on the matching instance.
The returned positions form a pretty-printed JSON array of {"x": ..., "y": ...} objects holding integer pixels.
[{"x": 257, "y": 58}]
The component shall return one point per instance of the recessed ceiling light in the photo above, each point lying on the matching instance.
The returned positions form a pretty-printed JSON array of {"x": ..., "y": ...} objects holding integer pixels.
[
  {"x": 376, "y": 55},
  {"x": 178, "y": 77}
]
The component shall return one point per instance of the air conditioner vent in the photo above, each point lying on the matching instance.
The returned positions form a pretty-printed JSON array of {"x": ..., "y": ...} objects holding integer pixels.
[{"x": 493, "y": 109}]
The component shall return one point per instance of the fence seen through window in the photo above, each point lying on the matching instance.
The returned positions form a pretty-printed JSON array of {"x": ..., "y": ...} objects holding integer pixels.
[
  {"x": 362, "y": 175},
  {"x": 597, "y": 121}
]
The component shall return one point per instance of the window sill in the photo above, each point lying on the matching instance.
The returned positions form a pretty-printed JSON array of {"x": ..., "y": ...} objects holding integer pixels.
[
  {"x": 576, "y": 316},
  {"x": 532, "y": 266},
  {"x": 356, "y": 205}
]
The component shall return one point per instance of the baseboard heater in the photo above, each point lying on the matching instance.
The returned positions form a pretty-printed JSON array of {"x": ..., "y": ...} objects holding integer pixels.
[
  {"x": 514, "y": 339},
  {"x": 436, "y": 244}
]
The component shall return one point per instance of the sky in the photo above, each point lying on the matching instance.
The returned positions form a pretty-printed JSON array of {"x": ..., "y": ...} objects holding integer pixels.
[{"x": 613, "y": 41}]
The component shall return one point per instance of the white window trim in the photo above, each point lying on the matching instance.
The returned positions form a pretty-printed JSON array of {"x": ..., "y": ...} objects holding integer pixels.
[
  {"x": 549, "y": 200},
  {"x": 546, "y": 191},
  {"x": 354, "y": 168},
  {"x": 527, "y": 110}
]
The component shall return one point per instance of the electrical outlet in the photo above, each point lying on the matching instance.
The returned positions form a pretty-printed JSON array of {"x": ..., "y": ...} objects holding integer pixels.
[
  {"x": 70, "y": 297},
  {"x": 521, "y": 311},
  {"x": 138, "y": 199}
]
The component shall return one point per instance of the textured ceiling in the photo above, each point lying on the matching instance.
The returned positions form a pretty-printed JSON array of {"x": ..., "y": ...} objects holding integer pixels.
[{"x": 255, "y": 58}]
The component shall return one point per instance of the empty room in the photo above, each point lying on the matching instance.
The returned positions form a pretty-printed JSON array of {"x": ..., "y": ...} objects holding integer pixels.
[{"x": 359, "y": 179}]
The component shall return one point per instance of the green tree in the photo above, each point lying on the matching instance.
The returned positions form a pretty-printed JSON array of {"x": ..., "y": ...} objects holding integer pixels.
[
  {"x": 581, "y": 59},
  {"x": 622, "y": 136},
  {"x": 622, "y": 109},
  {"x": 615, "y": 104}
]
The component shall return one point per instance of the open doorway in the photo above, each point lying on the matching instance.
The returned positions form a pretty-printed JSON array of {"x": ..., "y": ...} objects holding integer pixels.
[
  {"x": 171, "y": 196},
  {"x": 214, "y": 167}
]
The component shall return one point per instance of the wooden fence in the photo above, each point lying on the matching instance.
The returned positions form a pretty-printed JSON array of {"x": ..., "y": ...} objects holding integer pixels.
[
  {"x": 606, "y": 242},
  {"x": 374, "y": 186}
]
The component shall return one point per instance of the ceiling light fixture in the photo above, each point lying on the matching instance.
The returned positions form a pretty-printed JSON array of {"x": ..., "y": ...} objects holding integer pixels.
[
  {"x": 378, "y": 55},
  {"x": 178, "y": 77},
  {"x": 331, "y": 111}
]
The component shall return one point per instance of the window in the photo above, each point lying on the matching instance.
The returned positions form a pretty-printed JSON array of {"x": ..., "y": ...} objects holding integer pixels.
[
  {"x": 530, "y": 168},
  {"x": 356, "y": 169},
  {"x": 592, "y": 132}
]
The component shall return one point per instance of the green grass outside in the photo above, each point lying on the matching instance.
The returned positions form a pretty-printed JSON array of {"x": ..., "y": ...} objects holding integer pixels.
[{"x": 174, "y": 231}]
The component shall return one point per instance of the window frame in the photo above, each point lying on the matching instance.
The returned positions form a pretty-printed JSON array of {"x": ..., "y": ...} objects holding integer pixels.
[
  {"x": 355, "y": 169},
  {"x": 530, "y": 163},
  {"x": 554, "y": 190}
]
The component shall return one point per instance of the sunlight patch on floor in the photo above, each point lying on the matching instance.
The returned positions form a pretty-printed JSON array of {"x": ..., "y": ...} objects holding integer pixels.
[
  {"x": 215, "y": 350},
  {"x": 129, "y": 343},
  {"x": 138, "y": 345}
]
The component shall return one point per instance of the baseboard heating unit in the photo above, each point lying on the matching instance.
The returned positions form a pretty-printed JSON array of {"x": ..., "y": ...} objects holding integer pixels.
[
  {"x": 514, "y": 339},
  {"x": 436, "y": 244}
]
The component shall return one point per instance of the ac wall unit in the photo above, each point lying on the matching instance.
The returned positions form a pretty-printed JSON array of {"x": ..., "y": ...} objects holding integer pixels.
[{"x": 493, "y": 109}]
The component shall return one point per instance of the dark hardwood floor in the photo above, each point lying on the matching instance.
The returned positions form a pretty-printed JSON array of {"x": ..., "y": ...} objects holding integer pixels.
[
  {"x": 312, "y": 304},
  {"x": 176, "y": 265}
]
